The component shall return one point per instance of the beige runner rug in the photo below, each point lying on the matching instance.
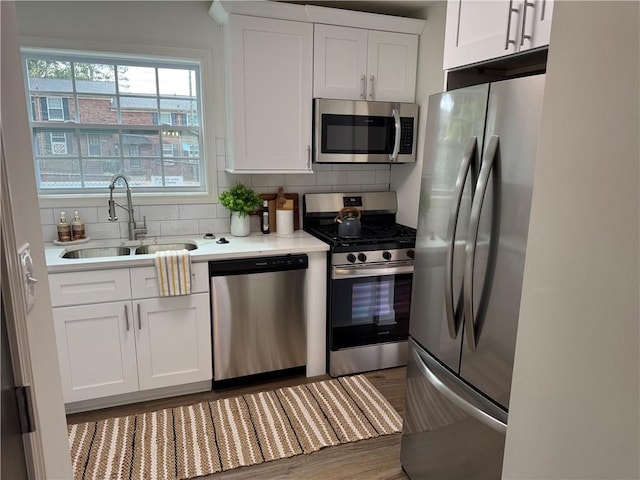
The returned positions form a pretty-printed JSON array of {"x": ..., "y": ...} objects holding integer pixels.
[{"x": 209, "y": 437}]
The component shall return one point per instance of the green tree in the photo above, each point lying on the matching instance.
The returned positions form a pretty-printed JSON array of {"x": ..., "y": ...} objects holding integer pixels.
[{"x": 39, "y": 68}]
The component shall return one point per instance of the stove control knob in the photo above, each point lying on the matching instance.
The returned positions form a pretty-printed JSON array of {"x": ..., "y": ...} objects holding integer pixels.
[
  {"x": 411, "y": 253},
  {"x": 351, "y": 258},
  {"x": 362, "y": 257},
  {"x": 386, "y": 255}
]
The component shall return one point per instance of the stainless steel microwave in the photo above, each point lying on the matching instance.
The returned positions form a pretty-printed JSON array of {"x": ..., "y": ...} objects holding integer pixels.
[{"x": 347, "y": 131}]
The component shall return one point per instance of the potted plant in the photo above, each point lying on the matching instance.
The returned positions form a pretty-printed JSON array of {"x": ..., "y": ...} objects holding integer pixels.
[{"x": 241, "y": 201}]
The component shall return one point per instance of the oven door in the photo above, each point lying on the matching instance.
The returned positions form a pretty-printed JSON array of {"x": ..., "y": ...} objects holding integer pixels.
[{"x": 369, "y": 304}]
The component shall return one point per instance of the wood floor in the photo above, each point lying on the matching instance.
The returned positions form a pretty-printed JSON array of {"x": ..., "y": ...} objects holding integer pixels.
[{"x": 374, "y": 459}]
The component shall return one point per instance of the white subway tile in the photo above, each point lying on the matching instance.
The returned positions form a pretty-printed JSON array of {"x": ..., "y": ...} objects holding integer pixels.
[
  {"x": 267, "y": 180},
  {"x": 222, "y": 212},
  {"x": 158, "y": 212},
  {"x": 197, "y": 211},
  {"x": 299, "y": 179},
  {"x": 346, "y": 188},
  {"x": 361, "y": 177},
  {"x": 220, "y": 146},
  {"x": 221, "y": 163},
  {"x": 383, "y": 176},
  {"x": 330, "y": 178},
  {"x": 49, "y": 233},
  {"x": 104, "y": 230},
  {"x": 47, "y": 218},
  {"x": 216, "y": 226},
  {"x": 178, "y": 227},
  {"x": 153, "y": 229}
]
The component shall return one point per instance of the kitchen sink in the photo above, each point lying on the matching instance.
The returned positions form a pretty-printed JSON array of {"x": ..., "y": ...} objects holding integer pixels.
[
  {"x": 96, "y": 252},
  {"x": 161, "y": 247}
]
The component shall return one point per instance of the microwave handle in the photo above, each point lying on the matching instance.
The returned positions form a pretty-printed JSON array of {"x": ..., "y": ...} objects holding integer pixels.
[{"x": 396, "y": 143}]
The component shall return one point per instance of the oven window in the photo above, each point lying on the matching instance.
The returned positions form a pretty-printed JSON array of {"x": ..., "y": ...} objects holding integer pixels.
[
  {"x": 356, "y": 134},
  {"x": 370, "y": 310}
]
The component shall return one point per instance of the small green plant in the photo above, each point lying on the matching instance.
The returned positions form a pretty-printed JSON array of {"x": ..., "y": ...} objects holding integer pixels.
[{"x": 241, "y": 199}]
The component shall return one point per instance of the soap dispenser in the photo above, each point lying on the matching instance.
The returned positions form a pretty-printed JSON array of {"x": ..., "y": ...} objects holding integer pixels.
[
  {"x": 77, "y": 227},
  {"x": 64, "y": 229}
]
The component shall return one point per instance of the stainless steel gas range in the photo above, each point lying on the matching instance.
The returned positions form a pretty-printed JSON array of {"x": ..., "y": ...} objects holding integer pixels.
[{"x": 370, "y": 272}]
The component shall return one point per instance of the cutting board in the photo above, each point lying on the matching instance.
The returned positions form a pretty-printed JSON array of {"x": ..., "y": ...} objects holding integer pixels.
[{"x": 292, "y": 199}]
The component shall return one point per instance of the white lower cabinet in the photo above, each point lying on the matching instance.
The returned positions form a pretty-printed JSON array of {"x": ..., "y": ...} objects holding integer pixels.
[
  {"x": 125, "y": 346},
  {"x": 96, "y": 351},
  {"x": 173, "y": 341}
]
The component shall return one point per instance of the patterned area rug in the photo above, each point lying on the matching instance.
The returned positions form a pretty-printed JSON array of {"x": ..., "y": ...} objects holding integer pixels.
[{"x": 209, "y": 437}]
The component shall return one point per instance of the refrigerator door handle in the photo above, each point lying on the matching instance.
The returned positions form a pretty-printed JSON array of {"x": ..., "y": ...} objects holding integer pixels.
[
  {"x": 472, "y": 410},
  {"x": 473, "y": 323},
  {"x": 454, "y": 314}
]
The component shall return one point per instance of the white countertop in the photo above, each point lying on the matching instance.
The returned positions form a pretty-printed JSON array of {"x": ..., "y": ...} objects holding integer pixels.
[{"x": 254, "y": 245}]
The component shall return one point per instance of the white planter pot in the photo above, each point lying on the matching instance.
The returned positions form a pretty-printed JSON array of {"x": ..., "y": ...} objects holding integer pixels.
[{"x": 240, "y": 225}]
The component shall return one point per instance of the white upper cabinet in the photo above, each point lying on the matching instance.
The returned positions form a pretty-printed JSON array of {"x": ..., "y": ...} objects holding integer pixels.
[
  {"x": 478, "y": 31},
  {"x": 269, "y": 95},
  {"x": 359, "y": 64}
]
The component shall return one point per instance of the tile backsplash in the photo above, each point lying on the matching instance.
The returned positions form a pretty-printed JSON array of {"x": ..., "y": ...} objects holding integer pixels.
[{"x": 198, "y": 219}]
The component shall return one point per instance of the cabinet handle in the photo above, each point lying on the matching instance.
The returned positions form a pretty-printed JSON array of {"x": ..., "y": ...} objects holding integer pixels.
[
  {"x": 363, "y": 89},
  {"x": 308, "y": 157},
  {"x": 371, "y": 87},
  {"x": 524, "y": 22},
  {"x": 510, "y": 12},
  {"x": 139, "y": 317},
  {"x": 126, "y": 316}
]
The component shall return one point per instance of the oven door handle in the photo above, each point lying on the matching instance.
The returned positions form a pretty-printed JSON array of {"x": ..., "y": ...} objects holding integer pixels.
[{"x": 375, "y": 271}]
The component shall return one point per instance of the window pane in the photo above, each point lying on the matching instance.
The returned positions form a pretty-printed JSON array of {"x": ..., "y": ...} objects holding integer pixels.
[
  {"x": 54, "y": 143},
  {"x": 175, "y": 81},
  {"x": 49, "y": 75},
  {"x": 139, "y": 110},
  {"x": 144, "y": 175},
  {"x": 97, "y": 109},
  {"x": 99, "y": 144},
  {"x": 178, "y": 112},
  {"x": 58, "y": 173},
  {"x": 99, "y": 171},
  {"x": 145, "y": 144},
  {"x": 95, "y": 78},
  {"x": 184, "y": 144},
  {"x": 51, "y": 108},
  {"x": 138, "y": 80}
]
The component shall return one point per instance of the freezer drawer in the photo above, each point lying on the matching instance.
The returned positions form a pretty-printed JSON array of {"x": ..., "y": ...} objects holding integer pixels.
[{"x": 441, "y": 412}]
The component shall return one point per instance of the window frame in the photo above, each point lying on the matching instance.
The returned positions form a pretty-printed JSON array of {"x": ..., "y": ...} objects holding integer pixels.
[{"x": 182, "y": 57}]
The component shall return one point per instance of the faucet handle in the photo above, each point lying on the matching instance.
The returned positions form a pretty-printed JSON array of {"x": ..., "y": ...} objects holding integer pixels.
[{"x": 141, "y": 230}]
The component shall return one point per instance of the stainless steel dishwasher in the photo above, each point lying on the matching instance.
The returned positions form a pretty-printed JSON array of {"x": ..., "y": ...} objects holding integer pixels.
[{"x": 258, "y": 316}]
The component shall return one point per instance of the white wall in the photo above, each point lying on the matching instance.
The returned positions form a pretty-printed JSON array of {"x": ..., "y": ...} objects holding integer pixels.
[
  {"x": 169, "y": 25},
  {"x": 405, "y": 179},
  {"x": 574, "y": 404}
]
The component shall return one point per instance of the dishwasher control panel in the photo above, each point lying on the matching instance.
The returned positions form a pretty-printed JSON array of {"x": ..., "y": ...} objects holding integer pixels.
[{"x": 243, "y": 266}]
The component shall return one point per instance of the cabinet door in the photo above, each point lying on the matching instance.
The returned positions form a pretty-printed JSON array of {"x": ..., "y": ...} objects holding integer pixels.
[
  {"x": 96, "y": 350},
  {"x": 271, "y": 95},
  {"x": 392, "y": 63},
  {"x": 339, "y": 62},
  {"x": 541, "y": 28},
  {"x": 478, "y": 30},
  {"x": 173, "y": 340}
]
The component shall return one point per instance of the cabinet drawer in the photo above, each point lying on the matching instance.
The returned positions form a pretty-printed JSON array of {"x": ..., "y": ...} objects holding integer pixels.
[
  {"x": 144, "y": 281},
  {"x": 78, "y": 288}
]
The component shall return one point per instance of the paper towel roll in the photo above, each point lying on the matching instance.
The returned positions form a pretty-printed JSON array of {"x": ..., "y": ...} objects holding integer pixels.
[{"x": 284, "y": 222}]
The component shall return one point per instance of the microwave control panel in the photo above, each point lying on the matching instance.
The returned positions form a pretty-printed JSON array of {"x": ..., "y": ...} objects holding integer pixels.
[{"x": 406, "y": 135}]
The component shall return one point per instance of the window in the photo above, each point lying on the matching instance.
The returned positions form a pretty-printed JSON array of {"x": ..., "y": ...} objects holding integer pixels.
[
  {"x": 55, "y": 110},
  {"x": 58, "y": 143},
  {"x": 93, "y": 145},
  {"x": 94, "y": 116}
]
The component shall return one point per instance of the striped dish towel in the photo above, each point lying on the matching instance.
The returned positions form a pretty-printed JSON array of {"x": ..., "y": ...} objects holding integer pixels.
[{"x": 173, "y": 268}]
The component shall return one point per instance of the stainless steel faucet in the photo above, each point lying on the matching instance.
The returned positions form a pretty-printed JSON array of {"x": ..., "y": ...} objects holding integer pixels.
[{"x": 134, "y": 231}]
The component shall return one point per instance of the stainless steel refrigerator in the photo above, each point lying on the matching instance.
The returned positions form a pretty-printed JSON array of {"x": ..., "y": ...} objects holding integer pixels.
[{"x": 471, "y": 242}]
